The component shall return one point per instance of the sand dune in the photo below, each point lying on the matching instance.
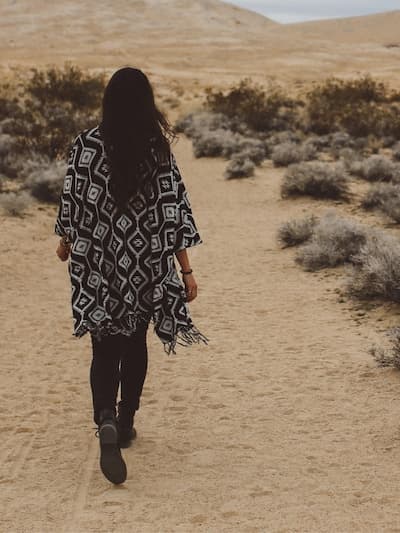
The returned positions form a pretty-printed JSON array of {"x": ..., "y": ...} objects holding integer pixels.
[
  {"x": 195, "y": 43},
  {"x": 124, "y": 23},
  {"x": 380, "y": 28}
]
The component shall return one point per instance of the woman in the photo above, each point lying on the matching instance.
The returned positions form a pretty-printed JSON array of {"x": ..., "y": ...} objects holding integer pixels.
[{"x": 124, "y": 213}]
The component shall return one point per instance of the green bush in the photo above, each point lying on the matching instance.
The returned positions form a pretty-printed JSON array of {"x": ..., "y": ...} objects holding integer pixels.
[
  {"x": 360, "y": 106},
  {"x": 259, "y": 109},
  {"x": 54, "y": 105},
  {"x": 69, "y": 84}
]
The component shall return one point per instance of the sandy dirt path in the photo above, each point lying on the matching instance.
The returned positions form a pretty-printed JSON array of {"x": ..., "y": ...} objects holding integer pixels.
[{"x": 282, "y": 423}]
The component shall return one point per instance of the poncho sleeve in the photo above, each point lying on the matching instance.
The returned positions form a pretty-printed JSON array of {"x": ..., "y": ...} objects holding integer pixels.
[
  {"x": 68, "y": 205},
  {"x": 186, "y": 234}
]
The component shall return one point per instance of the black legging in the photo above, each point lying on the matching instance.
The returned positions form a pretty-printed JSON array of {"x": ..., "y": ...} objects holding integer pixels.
[{"x": 118, "y": 359}]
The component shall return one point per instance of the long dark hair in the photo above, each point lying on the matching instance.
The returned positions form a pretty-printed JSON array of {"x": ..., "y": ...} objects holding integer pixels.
[{"x": 131, "y": 127}]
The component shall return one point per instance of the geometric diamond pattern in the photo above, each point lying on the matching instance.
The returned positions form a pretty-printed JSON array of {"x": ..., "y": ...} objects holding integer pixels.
[{"x": 121, "y": 265}]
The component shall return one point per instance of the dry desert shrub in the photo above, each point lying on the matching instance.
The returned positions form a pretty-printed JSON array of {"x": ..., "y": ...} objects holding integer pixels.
[
  {"x": 391, "y": 207},
  {"x": 351, "y": 159},
  {"x": 388, "y": 141},
  {"x": 44, "y": 179},
  {"x": 376, "y": 168},
  {"x": 254, "y": 151},
  {"x": 281, "y": 137},
  {"x": 224, "y": 143},
  {"x": 379, "y": 194},
  {"x": 15, "y": 203},
  {"x": 239, "y": 167},
  {"x": 385, "y": 197},
  {"x": 212, "y": 137},
  {"x": 317, "y": 179},
  {"x": 194, "y": 123},
  {"x": 375, "y": 269},
  {"x": 6, "y": 143},
  {"x": 396, "y": 152},
  {"x": 388, "y": 357},
  {"x": 334, "y": 241},
  {"x": 320, "y": 142},
  {"x": 341, "y": 139},
  {"x": 11, "y": 160},
  {"x": 296, "y": 231},
  {"x": 9, "y": 103},
  {"x": 214, "y": 143},
  {"x": 288, "y": 153}
]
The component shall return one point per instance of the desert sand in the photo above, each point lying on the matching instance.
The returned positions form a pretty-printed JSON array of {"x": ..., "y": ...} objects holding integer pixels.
[{"x": 282, "y": 424}]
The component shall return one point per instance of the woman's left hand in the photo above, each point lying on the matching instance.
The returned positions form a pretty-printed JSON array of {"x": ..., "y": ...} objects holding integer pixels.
[{"x": 63, "y": 251}]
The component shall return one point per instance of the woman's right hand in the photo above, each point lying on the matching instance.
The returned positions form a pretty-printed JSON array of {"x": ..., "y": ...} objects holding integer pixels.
[{"x": 190, "y": 286}]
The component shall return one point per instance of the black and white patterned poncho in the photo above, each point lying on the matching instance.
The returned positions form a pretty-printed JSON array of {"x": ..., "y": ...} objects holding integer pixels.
[{"x": 121, "y": 265}]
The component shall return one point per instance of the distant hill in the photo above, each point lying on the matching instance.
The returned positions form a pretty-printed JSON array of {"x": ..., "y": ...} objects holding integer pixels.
[
  {"x": 97, "y": 26},
  {"x": 195, "y": 42},
  {"x": 378, "y": 28}
]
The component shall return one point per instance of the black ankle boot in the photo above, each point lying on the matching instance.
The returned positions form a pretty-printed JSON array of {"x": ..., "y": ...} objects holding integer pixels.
[
  {"x": 126, "y": 435},
  {"x": 112, "y": 463},
  {"x": 126, "y": 432}
]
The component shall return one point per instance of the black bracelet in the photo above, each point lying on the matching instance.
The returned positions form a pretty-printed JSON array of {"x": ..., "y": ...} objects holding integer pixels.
[{"x": 188, "y": 272}]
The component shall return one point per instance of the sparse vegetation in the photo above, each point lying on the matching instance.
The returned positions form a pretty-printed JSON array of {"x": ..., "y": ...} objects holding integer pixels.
[
  {"x": 260, "y": 109},
  {"x": 39, "y": 117},
  {"x": 360, "y": 107},
  {"x": 44, "y": 179},
  {"x": 379, "y": 194},
  {"x": 239, "y": 167},
  {"x": 296, "y": 231},
  {"x": 385, "y": 197},
  {"x": 50, "y": 108},
  {"x": 194, "y": 123},
  {"x": 353, "y": 122},
  {"x": 314, "y": 178},
  {"x": 396, "y": 152},
  {"x": 212, "y": 136},
  {"x": 69, "y": 84},
  {"x": 15, "y": 203},
  {"x": 386, "y": 357},
  {"x": 333, "y": 242},
  {"x": 376, "y": 168},
  {"x": 287, "y": 153},
  {"x": 375, "y": 272}
]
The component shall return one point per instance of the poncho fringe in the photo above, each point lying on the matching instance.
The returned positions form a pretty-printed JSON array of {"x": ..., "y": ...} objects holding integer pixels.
[
  {"x": 189, "y": 335},
  {"x": 127, "y": 325}
]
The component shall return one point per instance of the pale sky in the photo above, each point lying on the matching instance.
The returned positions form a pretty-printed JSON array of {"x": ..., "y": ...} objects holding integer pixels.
[{"x": 298, "y": 10}]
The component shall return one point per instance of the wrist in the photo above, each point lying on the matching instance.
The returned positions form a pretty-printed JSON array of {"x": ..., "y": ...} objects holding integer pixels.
[{"x": 64, "y": 241}]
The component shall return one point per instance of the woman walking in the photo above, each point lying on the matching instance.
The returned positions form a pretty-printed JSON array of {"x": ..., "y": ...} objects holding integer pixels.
[{"x": 124, "y": 213}]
